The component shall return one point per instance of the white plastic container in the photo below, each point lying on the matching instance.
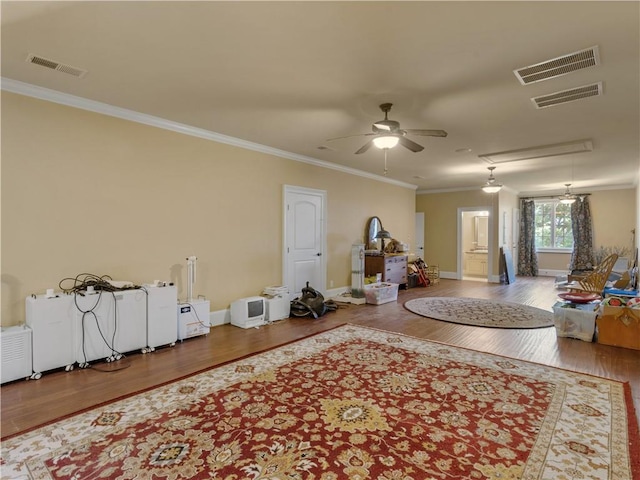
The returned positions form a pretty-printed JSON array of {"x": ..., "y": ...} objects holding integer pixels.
[{"x": 379, "y": 293}]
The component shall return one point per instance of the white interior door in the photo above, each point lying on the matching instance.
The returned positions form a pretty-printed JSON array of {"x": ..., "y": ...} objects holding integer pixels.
[
  {"x": 305, "y": 239},
  {"x": 419, "y": 250}
]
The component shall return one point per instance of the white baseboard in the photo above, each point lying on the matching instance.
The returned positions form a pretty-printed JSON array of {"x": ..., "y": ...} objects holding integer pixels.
[
  {"x": 219, "y": 317},
  {"x": 334, "y": 292},
  {"x": 449, "y": 275}
]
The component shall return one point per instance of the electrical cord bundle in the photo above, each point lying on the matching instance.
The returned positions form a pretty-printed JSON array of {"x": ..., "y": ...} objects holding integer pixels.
[
  {"x": 83, "y": 281},
  {"x": 115, "y": 355},
  {"x": 80, "y": 284}
]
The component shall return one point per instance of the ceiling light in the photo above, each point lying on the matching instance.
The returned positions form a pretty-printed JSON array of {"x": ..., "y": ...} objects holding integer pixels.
[
  {"x": 568, "y": 198},
  {"x": 387, "y": 141},
  {"x": 491, "y": 186}
]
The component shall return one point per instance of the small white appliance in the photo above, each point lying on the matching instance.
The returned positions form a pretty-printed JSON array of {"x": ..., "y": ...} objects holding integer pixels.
[
  {"x": 278, "y": 303},
  {"x": 162, "y": 317},
  {"x": 16, "y": 353},
  {"x": 249, "y": 312},
  {"x": 51, "y": 318},
  {"x": 277, "y": 308},
  {"x": 193, "y": 318},
  {"x": 109, "y": 324}
]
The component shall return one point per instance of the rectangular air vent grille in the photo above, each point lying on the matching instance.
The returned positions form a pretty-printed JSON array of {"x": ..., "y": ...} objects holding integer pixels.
[
  {"x": 557, "y": 67},
  {"x": 53, "y": 65},
  {"x": 566, "y": 96}
]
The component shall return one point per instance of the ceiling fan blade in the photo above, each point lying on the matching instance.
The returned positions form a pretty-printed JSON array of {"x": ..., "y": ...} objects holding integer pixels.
[
  {"x": 349, "y": 136},
  {"x": 365, "y": 147},
  {"x": 411, "y": 145},
  {"x": 426, "y": 133}
]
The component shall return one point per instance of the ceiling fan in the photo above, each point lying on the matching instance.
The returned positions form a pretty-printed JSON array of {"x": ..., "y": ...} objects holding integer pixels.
[{"x": 387, "y": 134}]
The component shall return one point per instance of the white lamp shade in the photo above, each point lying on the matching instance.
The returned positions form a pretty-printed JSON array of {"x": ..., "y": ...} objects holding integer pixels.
[
  {"x": 494, "y": 188},
  {"x": 388, "y": 141},
  {"x": 567, "y": 200}
]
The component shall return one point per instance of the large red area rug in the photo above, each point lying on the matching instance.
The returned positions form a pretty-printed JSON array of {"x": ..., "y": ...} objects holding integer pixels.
[{"x": 350, "y": 403}]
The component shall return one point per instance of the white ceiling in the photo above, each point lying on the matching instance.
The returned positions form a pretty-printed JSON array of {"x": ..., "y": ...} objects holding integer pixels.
[{"x": 290, "y": 75}]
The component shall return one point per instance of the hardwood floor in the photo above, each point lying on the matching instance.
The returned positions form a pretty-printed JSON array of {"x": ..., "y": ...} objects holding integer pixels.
[{"x": 26, "y": 404}]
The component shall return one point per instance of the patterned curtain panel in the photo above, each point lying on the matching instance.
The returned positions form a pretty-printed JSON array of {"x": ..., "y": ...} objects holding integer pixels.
[
  {"x": 582, "y": 255},
  {"x": 527, "y": 257}
]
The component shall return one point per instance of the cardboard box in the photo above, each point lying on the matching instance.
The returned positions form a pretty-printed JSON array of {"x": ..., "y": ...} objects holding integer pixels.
[
  {"x": 619, "y": 326},
  {"x": 379, "y": 293}
]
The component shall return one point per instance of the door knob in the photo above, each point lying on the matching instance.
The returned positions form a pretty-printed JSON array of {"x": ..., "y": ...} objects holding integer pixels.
[{"x": 319, "y": 254}]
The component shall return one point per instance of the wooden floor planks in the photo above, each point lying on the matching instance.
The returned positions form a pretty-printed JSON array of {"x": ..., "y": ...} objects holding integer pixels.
[{"x": 26, "y": 404}]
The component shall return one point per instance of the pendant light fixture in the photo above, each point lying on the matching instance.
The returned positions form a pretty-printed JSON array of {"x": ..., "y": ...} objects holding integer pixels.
[
  {"x": 491, "y": 186},
  {"x": 567, "y": 198}
]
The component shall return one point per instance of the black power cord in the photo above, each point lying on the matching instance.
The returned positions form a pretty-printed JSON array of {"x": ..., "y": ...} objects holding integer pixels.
[{"x": 79, "y": 286}]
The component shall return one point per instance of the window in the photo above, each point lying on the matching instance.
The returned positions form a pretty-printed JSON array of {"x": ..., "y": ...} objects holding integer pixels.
[{"x": 553, "y": 226}]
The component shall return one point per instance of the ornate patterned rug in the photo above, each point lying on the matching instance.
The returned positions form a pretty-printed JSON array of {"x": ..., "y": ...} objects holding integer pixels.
[
  {"x": 350, "y": 403},
  {"x": 480, "y": 312}
]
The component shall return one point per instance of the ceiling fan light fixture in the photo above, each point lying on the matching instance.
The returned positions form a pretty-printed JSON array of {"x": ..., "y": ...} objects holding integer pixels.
[
  {"x": 386, "y": 141},
  {"x": 567, "y": 198},
  {"x": 491, "y": 186}
]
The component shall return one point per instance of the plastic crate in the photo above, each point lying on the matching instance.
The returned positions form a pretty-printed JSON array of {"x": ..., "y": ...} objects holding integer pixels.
[{"x": 379, "y": 293}]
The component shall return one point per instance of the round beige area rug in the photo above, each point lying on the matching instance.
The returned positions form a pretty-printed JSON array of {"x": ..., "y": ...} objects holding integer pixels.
[{"x": 480, "y": 312}]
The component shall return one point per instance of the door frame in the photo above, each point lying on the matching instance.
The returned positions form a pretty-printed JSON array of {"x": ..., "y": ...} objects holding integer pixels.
[
  {"x": 419, "y": 235},
  {"x": 287, "y": 191},
  {"x": 490, "y": 240}
]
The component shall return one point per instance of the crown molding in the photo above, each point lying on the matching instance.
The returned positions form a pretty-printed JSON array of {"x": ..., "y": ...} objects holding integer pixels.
[{"x": 30, "y": 90}]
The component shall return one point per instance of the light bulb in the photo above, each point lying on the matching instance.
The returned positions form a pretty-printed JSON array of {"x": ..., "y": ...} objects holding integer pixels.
[{"x": 388, "y": 141}]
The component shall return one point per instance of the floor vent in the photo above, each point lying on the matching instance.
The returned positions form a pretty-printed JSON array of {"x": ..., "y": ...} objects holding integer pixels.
[
  {"x": 557, "y": 67},
  {"x": 53, "y": 65},
  {"x": 565, "y": 96}
]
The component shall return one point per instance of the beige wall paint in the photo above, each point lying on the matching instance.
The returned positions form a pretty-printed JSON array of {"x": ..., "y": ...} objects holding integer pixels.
[
  {"x": 89, "y": 193},
  {"x": 613, "y": 211},
  {"x": 440, "y": 220},
  {"x": 614, "y": 216}
]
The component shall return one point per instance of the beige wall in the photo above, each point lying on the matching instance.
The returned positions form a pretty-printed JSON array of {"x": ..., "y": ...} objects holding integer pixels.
[
  {"x": 440, "y": 223},
  {"x": 614, "y": 216},
  {"x": 613, "y": 211},
  {"x": 89, "y": 193}
]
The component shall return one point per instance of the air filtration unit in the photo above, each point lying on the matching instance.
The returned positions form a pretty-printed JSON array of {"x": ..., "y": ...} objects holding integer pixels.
[
  {"x": 16, "y": 353},
  {"x": 193, "y": 319},
  {"x": 357, "y": 270}
]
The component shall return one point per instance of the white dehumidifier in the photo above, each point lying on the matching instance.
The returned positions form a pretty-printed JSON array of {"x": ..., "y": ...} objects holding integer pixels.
[
  {"x": 16, "y": 353},
  {"x": 193, "y": 319}
]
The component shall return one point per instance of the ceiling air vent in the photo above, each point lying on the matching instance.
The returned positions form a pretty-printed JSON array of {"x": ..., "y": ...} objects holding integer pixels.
[
  {"x": 557, "y": 67},
  {"x": 53, "y": 65},
  {"x": 565, "y": 96}
]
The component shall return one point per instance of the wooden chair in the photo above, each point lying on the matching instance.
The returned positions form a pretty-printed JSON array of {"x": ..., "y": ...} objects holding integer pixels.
[{"x": 595, "y": 281}]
